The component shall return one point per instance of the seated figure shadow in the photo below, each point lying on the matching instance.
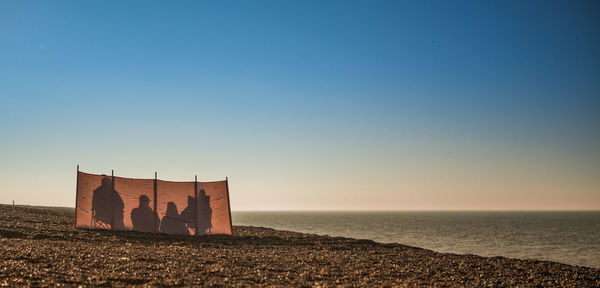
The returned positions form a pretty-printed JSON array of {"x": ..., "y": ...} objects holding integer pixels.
[
  {"x": 204, "y": 213},
  {"x": 198, "y": 214},
  {"x": 143, "y": 218},
  {"x": 189, "y": 214},
  {"x": 172, "y": 223},
  {"x": 107, "y": 207}
]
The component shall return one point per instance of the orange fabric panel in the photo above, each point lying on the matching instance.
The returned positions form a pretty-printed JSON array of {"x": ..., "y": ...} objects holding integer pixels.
[
  {"x": 99, "y": 206},
  {"x": 86, "y": 184},
  {"x": 128, "y": 204},
  {"x": 219, "y": 206},
  {"x": 138, "y": 199},
  {"x": 173, "y": 200}
]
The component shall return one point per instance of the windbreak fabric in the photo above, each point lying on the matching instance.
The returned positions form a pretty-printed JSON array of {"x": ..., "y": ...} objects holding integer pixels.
[
  {"x": 148, "y": 205},
  {"x": 176, "y": 207},
  {"x": 138, "y": 200},
  {"x": 213, "y": 205}
]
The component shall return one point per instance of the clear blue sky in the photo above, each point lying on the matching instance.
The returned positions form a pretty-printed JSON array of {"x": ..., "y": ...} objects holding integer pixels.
[{"x": 307, "y": 104}]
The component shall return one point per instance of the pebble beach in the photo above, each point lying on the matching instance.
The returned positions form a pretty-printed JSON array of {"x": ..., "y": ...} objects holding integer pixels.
[{"x": 41, "y": 248}]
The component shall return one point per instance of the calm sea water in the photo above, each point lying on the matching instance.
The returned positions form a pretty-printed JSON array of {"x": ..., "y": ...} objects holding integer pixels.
[{"x": 566, "y": 237}]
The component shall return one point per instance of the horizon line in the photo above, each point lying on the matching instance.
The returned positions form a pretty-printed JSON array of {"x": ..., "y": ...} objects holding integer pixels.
[{"x": 359, "y": 210}]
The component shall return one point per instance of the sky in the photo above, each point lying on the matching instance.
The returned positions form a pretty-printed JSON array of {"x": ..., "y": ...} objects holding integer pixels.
[{"x": 307, "y": 105}]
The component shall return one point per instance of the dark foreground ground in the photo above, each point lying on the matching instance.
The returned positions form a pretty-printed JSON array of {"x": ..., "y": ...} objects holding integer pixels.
[{"x": 40, "y": 247}]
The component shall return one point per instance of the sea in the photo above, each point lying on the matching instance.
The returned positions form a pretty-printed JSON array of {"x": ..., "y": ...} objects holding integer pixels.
[{"x": 571, "y": 237}]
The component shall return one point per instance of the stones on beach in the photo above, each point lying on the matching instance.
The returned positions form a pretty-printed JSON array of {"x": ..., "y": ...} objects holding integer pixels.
[{"x": 41, "y": 248}]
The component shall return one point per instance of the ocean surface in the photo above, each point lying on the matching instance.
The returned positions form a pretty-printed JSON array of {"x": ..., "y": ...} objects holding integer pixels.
[{"x": 566, "y": 237}]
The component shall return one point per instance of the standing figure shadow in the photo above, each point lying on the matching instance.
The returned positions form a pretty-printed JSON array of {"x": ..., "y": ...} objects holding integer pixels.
[{"x": 172, "y": 223}]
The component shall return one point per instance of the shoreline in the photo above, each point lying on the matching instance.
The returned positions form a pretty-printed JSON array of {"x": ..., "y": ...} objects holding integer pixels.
[{"x": 42, "y": 248}]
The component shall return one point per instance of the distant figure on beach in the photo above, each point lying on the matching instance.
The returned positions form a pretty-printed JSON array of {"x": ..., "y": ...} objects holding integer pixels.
[
  {"x": 204, "y": 213},
  {"x": 107, "y": 206},
  {"x": 144, "y": 219},
  {"x": 172, "y": 223},
  {"x": 189, "y": 214}
]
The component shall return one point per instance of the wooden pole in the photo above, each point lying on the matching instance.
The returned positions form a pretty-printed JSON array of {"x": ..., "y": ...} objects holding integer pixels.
[
  {"x": 112, "y": 199},
  {"x": 229, "y": 205},
  {"x": 196, "y": 204},
  {"x": 76, "y": 195},
  {"x": 155, "y": 201}
]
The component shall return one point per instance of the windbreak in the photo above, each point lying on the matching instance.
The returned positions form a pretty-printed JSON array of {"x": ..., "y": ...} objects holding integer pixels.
[{"x": 151, "y": 205}]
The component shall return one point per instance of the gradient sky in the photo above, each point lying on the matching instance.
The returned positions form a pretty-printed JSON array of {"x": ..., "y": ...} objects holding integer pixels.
[{"x": 307, "y": 105}]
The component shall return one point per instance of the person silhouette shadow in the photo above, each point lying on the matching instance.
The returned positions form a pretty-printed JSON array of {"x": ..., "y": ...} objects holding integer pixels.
[
  {"x": 143, "y": 218},
  {"x": 204, "y": 213},
  {"x": 198, "y": 214},
  {"x": 172, "y": 223},
  {"x": 107, "y": 206},
  {"x": 189, "y": 214}
]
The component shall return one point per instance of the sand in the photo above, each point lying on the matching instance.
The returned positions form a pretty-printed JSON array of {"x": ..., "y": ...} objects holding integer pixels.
[{"x": 40, "y": 247}]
